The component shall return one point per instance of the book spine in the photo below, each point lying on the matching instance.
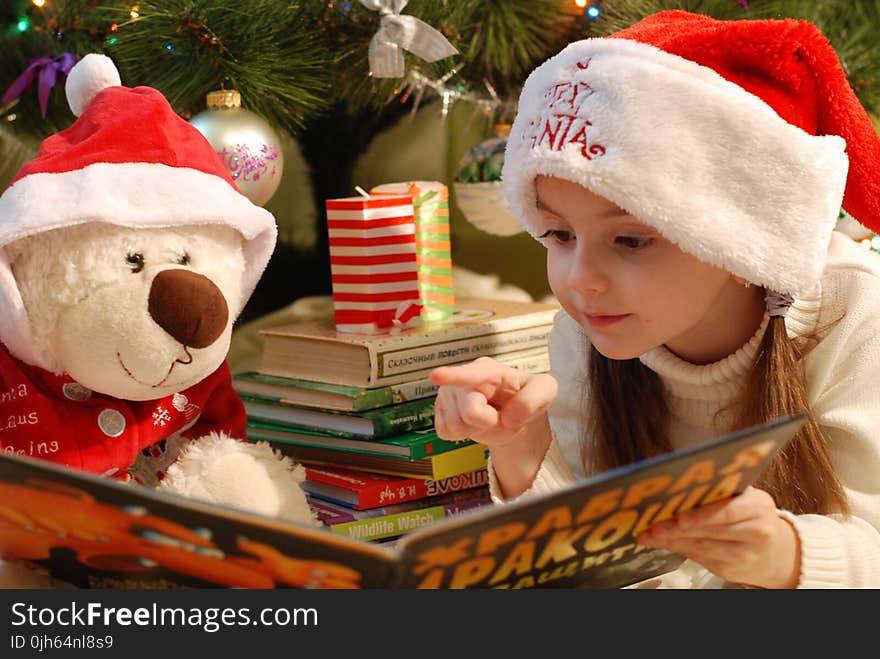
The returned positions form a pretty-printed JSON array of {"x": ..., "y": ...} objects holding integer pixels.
[
  {"x": 412, "y": 390},
  {"x": 390, "y": 365},
  {"x": 432, "y": 447},
  {"x": 369, "y": 399},
  {"x": 384, "y": 422},
  {"x": 390, "y": 526},
  {"x": 383, "y": 494},
  {"x": 404, "y": 417},
  {"x": 406, "y": 447},
  {"x": 529, "y": 360},
  {"x": 453, "y": 463},
  {"x": 283, "y": 390}
]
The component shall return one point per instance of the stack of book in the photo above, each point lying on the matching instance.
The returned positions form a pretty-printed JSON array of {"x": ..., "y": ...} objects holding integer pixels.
[
  {"x": 373, "y": 506},
  {"x": 358, "y": 411}
]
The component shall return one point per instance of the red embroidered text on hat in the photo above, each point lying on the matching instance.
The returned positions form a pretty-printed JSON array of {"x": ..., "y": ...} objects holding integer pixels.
[{"x": 732, "y": 138}]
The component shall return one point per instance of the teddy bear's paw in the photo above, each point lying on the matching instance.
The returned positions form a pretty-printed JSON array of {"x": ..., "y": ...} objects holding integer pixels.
[{"x": 253, "y": 477}]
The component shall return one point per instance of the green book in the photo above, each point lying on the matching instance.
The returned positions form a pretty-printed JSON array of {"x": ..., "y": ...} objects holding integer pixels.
[
  {"x": 345, "y": 398},
  {"x": 409, "y": 445},
  {"x": 313, "y": 393},
  {"x": 377, "y": 423},
  {"x": 436, "y": 466}
]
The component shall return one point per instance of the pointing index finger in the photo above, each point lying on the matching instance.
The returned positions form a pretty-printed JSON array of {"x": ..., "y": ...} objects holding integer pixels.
[{"x": 479, "y": 373}]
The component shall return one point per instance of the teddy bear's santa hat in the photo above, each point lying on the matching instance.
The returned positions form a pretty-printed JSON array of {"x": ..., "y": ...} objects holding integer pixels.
[
  {"x": 127, "y": 160},
  {"x": 738, "y": 140}
]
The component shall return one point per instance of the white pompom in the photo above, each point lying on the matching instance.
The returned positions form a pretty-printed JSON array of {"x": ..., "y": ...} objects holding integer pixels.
[{"x": 92, "y": 74}]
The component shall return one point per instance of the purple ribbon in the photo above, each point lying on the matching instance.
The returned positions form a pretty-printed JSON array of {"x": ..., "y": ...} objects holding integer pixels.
[{"x": 48, "y": 69}]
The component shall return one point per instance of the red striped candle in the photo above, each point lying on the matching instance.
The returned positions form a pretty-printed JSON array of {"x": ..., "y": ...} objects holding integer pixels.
[{"x": 373, "y": 263}]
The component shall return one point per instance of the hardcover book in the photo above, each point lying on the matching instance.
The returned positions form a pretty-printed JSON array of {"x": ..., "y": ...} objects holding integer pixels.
[
  {"x": 377, "y": 423},
  {"x": 314, "y": 350},
  {"x": 435, "y": 465},
  {"x": 93, "y": 531},
  {"x": 399, "y": 519},
  {"x": 408, "y": 445},
  {"x": 314, "y": 393},
  {"x": 362, "y": 490}
]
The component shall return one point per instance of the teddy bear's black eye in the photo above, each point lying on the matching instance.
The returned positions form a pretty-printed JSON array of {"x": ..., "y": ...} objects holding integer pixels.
[
  {"x": 135, "y": 261},
  {"x": 184, "y": 259}
]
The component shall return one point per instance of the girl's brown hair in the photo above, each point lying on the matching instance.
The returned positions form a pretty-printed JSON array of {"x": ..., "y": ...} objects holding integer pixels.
[{"x": 801, "y": 478}]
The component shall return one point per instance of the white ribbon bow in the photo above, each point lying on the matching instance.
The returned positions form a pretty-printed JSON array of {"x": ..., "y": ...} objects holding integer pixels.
[{"x": 407, "y": 32}]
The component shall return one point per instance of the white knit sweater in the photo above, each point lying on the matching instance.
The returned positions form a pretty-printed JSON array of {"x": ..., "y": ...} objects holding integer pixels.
[{"x": 842, "y": 372}]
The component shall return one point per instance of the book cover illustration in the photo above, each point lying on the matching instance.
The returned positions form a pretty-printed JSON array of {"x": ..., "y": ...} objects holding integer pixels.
[
  {"x": 584, "y": 535},
  {"x": 97, "y": 532}
]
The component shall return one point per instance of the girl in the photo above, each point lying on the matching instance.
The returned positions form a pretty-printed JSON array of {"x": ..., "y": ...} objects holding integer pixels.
[{"x": 685, "y": 177}]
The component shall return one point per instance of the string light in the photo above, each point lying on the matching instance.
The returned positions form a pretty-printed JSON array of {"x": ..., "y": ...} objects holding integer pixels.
[
  {"x": 594, "y": 11},
  {"x": 135, "y": 13},
  {"x": 23, "y": 25},
  {"x": 581, "y": 3},
  {"x": 39, "y": 3},
  {"x": 872, "y": 243}
]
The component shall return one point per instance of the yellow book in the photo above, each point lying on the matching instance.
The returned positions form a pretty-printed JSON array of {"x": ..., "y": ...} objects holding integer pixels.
[{"x": 434, "y": 467}]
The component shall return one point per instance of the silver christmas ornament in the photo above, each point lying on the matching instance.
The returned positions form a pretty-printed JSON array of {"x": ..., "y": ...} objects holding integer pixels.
[{"x": 248, "y": 146}]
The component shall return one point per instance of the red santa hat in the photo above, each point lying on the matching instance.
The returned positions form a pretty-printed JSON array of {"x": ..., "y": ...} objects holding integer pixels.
[
  {"x": 127, "y": 160},
  {"x": 738, "y": 140}
]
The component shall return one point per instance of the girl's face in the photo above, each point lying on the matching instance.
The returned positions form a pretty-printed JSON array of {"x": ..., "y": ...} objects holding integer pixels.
[{"x": 631, "y": 289}]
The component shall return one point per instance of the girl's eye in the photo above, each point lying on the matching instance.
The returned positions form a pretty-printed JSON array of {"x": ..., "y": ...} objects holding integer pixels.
[
  {"x": 557, "y": 235},
  {"x": 633, "y": 242},
  {"x": 183, "y": 259},
  {"x": 135, "y": 261}
]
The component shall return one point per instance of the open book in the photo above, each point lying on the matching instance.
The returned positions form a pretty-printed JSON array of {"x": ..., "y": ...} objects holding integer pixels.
[{"x": 95, "y": 532}]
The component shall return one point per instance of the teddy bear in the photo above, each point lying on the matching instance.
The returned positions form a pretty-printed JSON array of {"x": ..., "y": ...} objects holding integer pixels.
[{"x": 126, "y": 254}]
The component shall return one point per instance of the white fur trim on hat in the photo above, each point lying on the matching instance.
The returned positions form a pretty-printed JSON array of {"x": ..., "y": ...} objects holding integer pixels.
[
  {"x": 711, "y": 166},
  {"x": 91, "y": 75},
  {"x": 128, "y": 194}
]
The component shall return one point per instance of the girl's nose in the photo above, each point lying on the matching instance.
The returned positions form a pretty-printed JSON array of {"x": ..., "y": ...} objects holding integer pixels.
[{"x": 588, "y": 273}]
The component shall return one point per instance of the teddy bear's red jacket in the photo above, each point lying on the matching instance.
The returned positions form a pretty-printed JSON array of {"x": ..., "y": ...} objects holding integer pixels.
[{"x": 55, "y": 418}]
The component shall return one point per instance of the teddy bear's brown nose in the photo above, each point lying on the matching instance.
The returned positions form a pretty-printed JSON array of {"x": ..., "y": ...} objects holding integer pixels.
[{"x": 188, "y": 306}]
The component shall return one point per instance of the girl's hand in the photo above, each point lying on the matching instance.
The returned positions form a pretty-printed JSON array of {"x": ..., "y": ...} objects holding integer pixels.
[
  {"x": 489, "y": 402},
  {"x": 741, "y": 539}
]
